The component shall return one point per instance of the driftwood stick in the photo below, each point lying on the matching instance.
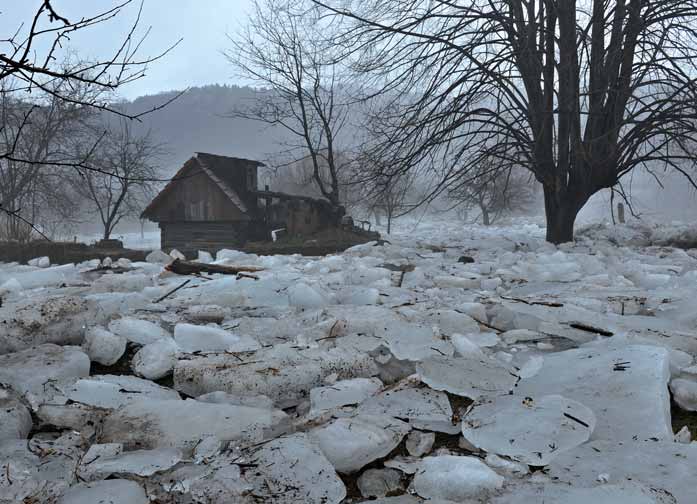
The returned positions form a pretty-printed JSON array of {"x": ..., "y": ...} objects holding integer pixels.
[
  {"x": 173, "y": 291},
  {"x": 192, "y": 268}
]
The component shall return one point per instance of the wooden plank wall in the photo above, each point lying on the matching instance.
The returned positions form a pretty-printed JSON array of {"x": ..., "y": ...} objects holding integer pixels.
[{"x": 190, "y": 237}]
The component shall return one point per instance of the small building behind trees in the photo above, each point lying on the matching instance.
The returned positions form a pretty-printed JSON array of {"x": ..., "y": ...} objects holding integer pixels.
[{"x": 213, "y": 202}]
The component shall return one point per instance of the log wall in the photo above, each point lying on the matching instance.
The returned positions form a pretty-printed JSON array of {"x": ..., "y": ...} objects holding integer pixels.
[{"x": 190, "y": 237}]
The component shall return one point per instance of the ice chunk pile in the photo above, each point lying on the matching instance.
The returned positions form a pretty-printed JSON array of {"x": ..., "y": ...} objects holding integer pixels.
[{"x": 450, "y": 364}]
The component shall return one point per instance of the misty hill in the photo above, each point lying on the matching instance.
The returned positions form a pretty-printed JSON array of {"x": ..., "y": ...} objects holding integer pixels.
[{"x": 194, "y": 122}]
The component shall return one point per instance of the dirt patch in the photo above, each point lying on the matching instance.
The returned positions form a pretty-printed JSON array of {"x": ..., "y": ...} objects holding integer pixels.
[
  {"x": 120, "y": 367},
  {"x": 681, "y": 418}
]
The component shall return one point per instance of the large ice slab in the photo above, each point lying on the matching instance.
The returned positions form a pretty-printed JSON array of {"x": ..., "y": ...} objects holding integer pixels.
[
  {"x": 414, "y": 342},
  {"x": 667, "y": 466},
  {"x": 143, "y": 463},
  {"x": 685, "y": 393},
  {"x": 29, "y": 370},
  {"x": 550, "y": 493},
  {"x": 103, "y": 346},
  {"x": 423, "y": 408},
  {"x": 15, "y": 419},
  {"x": 625, "y": 387},
  {"x": 112, "y": 391},
  {"x": 113, "y": 491},
  {"x": 196, "y": 338},
  {"x": 455, "y": 478},
  {"x": 156, "y": 360},
  {"x": 283, "y": 373},
  {"x": 292, "y": 469},
  {"x": 35, "y": 320},
  {"x": 532, "y": 430},
  {"x": 182, "y": 424},
  {"x": 342, "y": 393},
  {"x": 138, "y": 331},
  {"x": 471, "y": 376},
  {"x": 352, "y": 443}
]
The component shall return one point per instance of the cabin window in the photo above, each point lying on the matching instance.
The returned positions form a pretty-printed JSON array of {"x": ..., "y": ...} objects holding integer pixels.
[
  {"x": 251, "y": 182},
  {"x": 197, "y": 210}
]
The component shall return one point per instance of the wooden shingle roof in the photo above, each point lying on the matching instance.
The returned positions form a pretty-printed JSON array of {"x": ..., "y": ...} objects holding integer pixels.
[{"x": 218, "y": 168}]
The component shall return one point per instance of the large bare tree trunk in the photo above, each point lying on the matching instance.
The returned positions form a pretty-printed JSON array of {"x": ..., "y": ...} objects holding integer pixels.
[{"x": 561, "y": 211}]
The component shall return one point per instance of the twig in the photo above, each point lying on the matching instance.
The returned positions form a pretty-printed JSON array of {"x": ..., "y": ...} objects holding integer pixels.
[
  {"x": 551, "y": 304},
  {"x": 173, "y": 291}
]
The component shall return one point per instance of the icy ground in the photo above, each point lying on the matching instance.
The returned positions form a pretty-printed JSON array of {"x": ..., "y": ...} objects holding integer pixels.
[{"x": 450, "y": 365}]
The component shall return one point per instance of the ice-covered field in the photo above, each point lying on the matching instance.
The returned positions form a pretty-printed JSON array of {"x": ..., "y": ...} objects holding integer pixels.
[{"x": 450, "y": 365}]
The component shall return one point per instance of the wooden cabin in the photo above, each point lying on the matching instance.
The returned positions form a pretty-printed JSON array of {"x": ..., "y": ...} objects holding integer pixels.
[{"x": 213, "y": 202}]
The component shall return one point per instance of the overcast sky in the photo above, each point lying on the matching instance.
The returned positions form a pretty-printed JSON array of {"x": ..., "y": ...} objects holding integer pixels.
[{"x": 202, "y": 24}]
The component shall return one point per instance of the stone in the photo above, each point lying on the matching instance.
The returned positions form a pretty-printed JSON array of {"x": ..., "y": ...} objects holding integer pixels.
[
  {"x": 380, "y": 482},
  {"x": 420, "y": 443}
]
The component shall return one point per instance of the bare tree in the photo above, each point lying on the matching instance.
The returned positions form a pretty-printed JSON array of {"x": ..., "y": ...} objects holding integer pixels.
[
  {"x": 129, "y": 166},
  {"x": 37, "y": 134},
  {"x": 495, "y": 193},
  {"x": 581, "y": 93},
  {"x": 387, "y": 193},
  {"x": 282, "y": 50},
  {"x": 34, "y": 69}
]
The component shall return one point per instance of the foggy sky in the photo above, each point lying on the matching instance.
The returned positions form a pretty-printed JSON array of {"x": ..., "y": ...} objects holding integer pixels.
[{"x": 203, "y": 24}]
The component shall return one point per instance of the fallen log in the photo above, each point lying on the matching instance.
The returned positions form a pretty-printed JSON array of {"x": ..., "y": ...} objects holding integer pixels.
[{"x": 195, "y": 268}]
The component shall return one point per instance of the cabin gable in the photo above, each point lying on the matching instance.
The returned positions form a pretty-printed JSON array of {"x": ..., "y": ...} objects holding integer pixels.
[{"x": 192, "y": 196}]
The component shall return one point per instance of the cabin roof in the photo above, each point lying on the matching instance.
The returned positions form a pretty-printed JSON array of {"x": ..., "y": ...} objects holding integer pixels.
[
  {"x": 219, "y": 169},
  {"x": 285, "y": 196}
]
